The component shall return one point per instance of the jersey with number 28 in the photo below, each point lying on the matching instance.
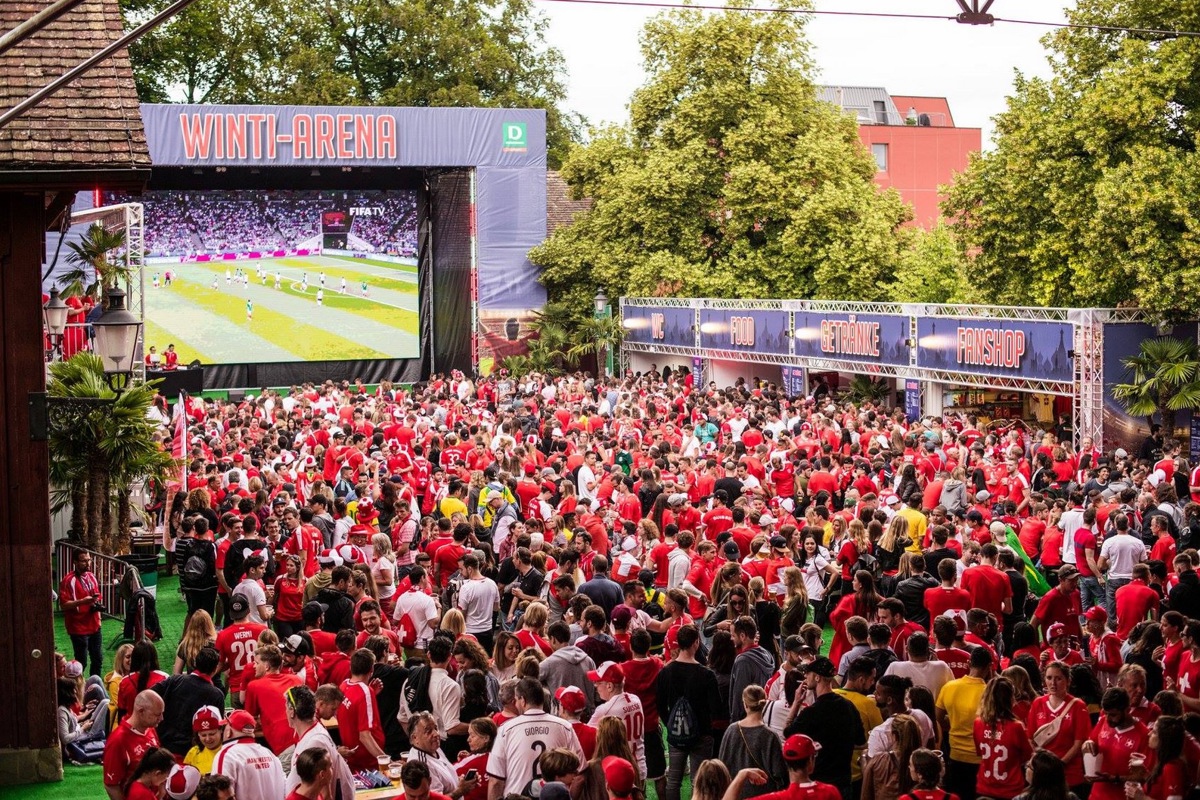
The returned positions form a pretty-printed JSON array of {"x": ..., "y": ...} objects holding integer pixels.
[{"x": 521, "y": 741}]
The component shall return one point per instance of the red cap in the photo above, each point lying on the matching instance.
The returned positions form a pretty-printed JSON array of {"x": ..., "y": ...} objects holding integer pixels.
[
  {"x": 799, "y": 747},
  {"x": 530, "y": 469},
  {"x": 182, "y": 782},
  {"x": 1056, "y": 630},
  {"x": 361, "y": 530},
  {"x": 1096, "y": 614},
  {"x": 242, "y": 722},
  {"x": 620, "y": 776},
  {"x": 571, "y": 698},
  {"x": 608, "y": 671},
  {"x": 366, "y": 511},
  {"x": 351, "y": 554}
]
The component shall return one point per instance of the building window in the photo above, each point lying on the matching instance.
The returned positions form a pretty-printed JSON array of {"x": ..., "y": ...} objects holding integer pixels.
[{"x": 880, "y": 151}]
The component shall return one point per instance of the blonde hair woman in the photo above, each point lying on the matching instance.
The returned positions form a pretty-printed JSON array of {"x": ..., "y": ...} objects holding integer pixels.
[
  {"x": 750, "y": 744},
  {"x": 384, "y": 573},
  {"x": 455, "y": 622},
  {"x": 200, "y": 632},
  {"x": 795, "y": 603}
]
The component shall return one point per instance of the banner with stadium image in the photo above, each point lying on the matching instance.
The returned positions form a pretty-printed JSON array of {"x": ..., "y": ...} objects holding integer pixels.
[{"x": 260, "y": 276}]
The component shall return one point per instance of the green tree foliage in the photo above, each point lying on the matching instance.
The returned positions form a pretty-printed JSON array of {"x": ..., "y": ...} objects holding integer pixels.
[
  {"x": 1090, "y": 196},
  {"x": 94, "y": 463},
  {"x": 356, "y": 52},
  {"x": 730, "y": 180},
  {"x": 930, "y": 269}
]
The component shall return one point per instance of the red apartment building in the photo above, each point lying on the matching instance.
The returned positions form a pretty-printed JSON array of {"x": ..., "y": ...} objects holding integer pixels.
[{"x": 914, "y": 141}]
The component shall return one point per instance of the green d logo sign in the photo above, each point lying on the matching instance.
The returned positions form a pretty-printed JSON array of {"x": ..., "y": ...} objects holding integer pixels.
[{"x": 514, "y": 137}]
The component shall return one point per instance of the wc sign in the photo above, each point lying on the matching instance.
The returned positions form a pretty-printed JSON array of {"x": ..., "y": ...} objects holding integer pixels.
[{"x": 515, "y": 139}]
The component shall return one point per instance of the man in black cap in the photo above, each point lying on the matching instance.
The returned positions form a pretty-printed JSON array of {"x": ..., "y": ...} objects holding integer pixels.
[
  {"x": 314, "y": 616},
  {"x": 792, "y": 647},
  {"x": 833, "y": 722}
]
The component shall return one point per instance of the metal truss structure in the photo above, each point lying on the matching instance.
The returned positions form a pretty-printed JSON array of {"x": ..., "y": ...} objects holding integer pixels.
[
  {"x": 1086, "y": 390},
  {"x": 130, "y": 219}
]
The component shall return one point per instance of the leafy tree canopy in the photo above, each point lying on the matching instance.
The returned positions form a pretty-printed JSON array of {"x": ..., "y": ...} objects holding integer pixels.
[
  {"x": 355, "y": 52},
  {"x": 731, "y": 179},
  {"x": 1090, "y": 197}
]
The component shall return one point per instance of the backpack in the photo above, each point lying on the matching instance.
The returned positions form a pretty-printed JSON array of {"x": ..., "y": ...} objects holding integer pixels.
[
  {"x": 416, "y": 689},
  {"x": 870, "y": 563},
  {"x": 683, "y": 728},
  {"x": 195, "y": 572},
  {"x": 406, "y": 631}
]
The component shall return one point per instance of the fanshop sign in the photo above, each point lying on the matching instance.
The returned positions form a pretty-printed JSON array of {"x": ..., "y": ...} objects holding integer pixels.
[{"x": 1038, "y": 350}]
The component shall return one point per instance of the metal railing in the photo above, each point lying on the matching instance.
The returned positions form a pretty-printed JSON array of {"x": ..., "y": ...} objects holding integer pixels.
[{"x": 109, "y": 572}]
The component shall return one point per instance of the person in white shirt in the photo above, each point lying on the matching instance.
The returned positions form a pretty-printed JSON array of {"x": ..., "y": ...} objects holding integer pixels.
[
  {"x": 302, "y": 715},
  {"x": 919, "y": 669},
  {"x": 520, "y": 742},
  {"x": 420, "y": 608},
  {"x": 479, "y": 600},
  {"x": 445, "y": 695},
  {"x": 679, "y": 560},
  {"x": 252, "y": 589},
  {"x": 1070, "y": 522},
  {"x": 890, "y": 693},
  {"x": 586, "y": 478},
  {"x": 255, "y": 771},
  {"x": 609, "y": 681},
  {"x": 1118, "y": 555},
  {"x": 427, "y": 750}
]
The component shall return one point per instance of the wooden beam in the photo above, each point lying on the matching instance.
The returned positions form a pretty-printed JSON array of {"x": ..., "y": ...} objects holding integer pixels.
[
  {"x": 56, "y": 206},
  {"x": 26, "y": 626}
]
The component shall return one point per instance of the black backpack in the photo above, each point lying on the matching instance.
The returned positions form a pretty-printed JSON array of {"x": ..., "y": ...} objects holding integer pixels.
[
  {"x": 870, "y": 563},
  {"x": 416, "y": 690},
  {"x": 197, "y": 572},
  {"x": 683, "y": 727}
]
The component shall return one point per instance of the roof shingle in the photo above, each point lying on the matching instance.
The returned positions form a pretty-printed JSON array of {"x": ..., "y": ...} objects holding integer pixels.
[
  {"x": 561, "y": 208},
  {"x": 92, "y": 123}
]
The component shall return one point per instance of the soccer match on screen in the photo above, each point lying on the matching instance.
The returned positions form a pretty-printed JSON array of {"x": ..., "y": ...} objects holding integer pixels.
[{"x": 280, "y": 276}]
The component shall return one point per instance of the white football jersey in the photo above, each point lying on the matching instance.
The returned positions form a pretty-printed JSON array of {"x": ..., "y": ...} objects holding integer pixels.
[
  {"x": 626, "y": 707},
  {"x": 521, "y": 742}
]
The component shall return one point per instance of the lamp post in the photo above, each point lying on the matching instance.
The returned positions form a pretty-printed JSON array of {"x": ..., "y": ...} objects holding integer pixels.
[
  {"x": 604, "y": 354},
  {"x": 54, "y": 314},
  {"x": 116, "y": 340}
]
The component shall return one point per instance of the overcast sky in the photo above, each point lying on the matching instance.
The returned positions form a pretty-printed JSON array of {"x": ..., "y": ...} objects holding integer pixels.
[{"x": 971, "y": 66}]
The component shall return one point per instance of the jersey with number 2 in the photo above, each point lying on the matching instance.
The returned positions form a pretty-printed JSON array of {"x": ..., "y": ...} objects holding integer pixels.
[
  {"x": 521, "y": 741},
  {"x": 1003, "y": 749}
]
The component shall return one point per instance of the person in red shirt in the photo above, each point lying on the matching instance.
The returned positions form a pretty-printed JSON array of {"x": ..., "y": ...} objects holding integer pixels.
[
  {"x": 236, "y": 643},
  {"x": 1104, "y": 647},
  {"x": 314, "y": 768},
  {"x": 988, "y": 587},
  {"x": 1116, "y": 737},
  {"x": 1032, "y": 530},
  {"x": 1001, "y": 742},
  {"x": 371, "y": 617},
  {"x": 265, "y": 698},
  {"x": 358, "y": 717},
  {"x": 718, "y": 520},
  {"x": 446, "y": 556},
  {"x": 947, "y": 631},
  {"x": 946, "y": 597},
  {"x": 131, "y": 739},
  {"x": 1060, "y": 647},
  {"x": 143, "y": 674},
  {"x": 79, "y": 598},
  {"x": 149, "y": 780},
  {"x": 1061, "y": 604},
  {"x": 800, "y": 757},
  {"x": 891, "y": 613}
]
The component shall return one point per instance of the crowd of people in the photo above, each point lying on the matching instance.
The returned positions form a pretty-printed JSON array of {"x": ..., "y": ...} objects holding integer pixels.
[
  {"x": 565, "y": 588},
  {"x": 182, "y": 223}
]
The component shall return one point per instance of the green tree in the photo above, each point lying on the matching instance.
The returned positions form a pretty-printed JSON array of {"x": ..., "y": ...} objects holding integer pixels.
[
  {"x": 97, "y": 263},
  {"x": 1090, "y": 197},
  {"x": 930, "y": 269},
  {"x": 730, "y": 179},
  {"x": 359, "y": 52},
  {"x": 94, "y": 462},
  {"x": 1164, "y": 378}
]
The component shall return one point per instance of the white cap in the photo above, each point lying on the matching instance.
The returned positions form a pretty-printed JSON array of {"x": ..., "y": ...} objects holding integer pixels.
[
  {"x": 628, "y": 543},
  {"x": 1121, "y": 453}
]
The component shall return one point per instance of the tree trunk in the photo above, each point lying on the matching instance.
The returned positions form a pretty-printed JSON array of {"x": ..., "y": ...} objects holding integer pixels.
[
  {"x": 79, "y": 510},
  {"x": 124, "y": 536},
  {"x": 94, "y": 536},
  {"x": 110, "y": 538}
]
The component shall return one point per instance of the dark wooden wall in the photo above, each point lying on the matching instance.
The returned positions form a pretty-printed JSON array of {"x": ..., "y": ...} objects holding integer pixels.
[{"x": 26, "y": 612}]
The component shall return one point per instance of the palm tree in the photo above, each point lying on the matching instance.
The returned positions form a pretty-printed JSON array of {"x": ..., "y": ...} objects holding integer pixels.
[
  {"x": 96, "y": 264},
  {"x": 597, "y": 334},
  {"x": 1165, "y": 378},
  {"x": 94, "y": 462}
]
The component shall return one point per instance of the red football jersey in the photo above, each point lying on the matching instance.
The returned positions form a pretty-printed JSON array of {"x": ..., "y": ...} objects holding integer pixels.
[
  {"x": 1003, "y": 750},
  {"x": 236, "y": 644},
  {"x": 359, "y": 712},
  {"x": 1115, "y": 745}
]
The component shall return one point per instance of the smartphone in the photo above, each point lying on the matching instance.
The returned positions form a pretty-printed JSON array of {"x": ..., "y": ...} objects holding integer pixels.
[{"x": 471, "y": 774}]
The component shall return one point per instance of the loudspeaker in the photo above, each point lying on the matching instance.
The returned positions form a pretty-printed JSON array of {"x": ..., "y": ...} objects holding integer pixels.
[{"x": 237, "y": 395}]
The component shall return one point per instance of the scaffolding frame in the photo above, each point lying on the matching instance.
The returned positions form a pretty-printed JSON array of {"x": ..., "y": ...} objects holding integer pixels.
[
  {"x": 1086, "y": 390},
  {"x": 131, "y": 219}
]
